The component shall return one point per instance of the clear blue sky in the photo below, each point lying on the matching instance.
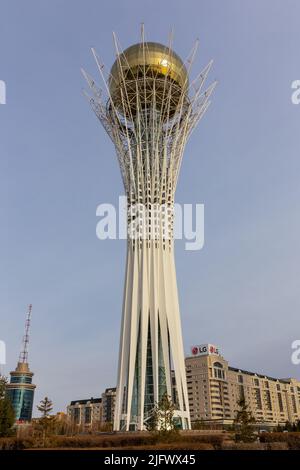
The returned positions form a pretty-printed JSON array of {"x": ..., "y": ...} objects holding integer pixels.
[{"x": 242, "y": 291}]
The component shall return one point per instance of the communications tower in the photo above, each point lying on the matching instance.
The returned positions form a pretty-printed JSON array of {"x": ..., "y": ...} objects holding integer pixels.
[
  {"x": 149, "y": 108},
  {"x": 20, "y": 390}
]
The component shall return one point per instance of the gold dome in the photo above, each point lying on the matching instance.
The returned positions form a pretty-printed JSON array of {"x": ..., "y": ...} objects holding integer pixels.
[{"x": 157, "y": 62}]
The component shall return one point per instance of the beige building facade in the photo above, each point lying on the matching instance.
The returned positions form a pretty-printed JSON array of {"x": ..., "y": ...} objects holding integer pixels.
[
  {"x": 93, "y": 412},
  {"x": 214, "y": 388},
  {"x": 108, "y": 404},
  {"x": 86, "y": 413}
]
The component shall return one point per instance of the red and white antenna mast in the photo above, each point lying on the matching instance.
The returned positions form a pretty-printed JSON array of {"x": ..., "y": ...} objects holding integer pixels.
[{"x": 24, "y": 353}]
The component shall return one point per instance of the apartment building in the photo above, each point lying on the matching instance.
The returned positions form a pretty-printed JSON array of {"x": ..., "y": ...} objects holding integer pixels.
[
  {"x": 214, "y": 388},
  {"x": 108, "y": 403},
  {"x": 85, "y": 413}
]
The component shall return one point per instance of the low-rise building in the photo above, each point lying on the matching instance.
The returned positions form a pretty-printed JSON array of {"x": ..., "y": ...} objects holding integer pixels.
[
  {"x": 85, "y": 413},
  {"x": 93, "y": 412}
]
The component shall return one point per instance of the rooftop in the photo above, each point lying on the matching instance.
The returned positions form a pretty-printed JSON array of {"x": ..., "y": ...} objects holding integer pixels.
[{"x": 84, "y": 402}]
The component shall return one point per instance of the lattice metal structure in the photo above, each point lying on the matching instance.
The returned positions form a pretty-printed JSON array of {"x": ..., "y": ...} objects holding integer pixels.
[
  {"x": 149, "y": 108},
  {"x": 23, "y": 358},
  {"x": 20, "y": 389}
]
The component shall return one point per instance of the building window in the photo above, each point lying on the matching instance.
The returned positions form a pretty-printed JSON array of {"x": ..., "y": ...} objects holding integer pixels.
[
  {"x": 242, "y": 392},
  {"x": 268, "y": 400},
  {"x": 88, "y": 415},
  {"x": 258, "y": 399},
  {"x": 22, "y": 401},
  {"x": 20, "y": 380},
  {"x": 218, "y": 371},
  {"x": 294, "y": 404},
  {"x": 280, "y": 403},
  {"x": 76, "y": 415}
]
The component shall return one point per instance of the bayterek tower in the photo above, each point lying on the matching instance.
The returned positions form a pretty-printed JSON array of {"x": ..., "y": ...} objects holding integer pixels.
[{"x": 149, "y": 107}]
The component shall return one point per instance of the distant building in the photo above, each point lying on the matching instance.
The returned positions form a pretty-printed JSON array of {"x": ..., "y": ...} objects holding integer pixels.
[
  {"x": 60, "y": 416},
  {"x": 86, "y": 413},
  {"x": 214, "y": 389},
  {"x": 20, "y": 389},
  {"x": 108, "y": 402}
]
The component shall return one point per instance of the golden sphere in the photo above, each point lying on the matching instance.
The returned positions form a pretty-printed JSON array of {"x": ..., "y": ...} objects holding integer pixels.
[{"x": 147, "y": 68}]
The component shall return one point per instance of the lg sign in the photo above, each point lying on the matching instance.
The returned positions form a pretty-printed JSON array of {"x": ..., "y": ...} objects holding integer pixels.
[{"x": 204, "y": 350}]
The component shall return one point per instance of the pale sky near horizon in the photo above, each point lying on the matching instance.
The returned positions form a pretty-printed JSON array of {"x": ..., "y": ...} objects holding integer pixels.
[{"x": 242, "y": 290}]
